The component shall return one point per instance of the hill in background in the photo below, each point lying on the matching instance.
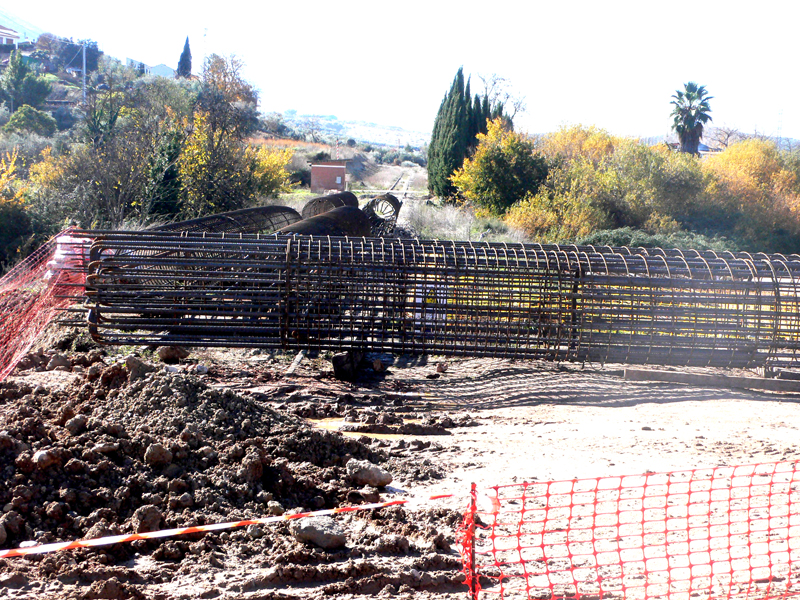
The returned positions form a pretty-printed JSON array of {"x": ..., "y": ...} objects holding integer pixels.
[{"x": 360, "y": 131}]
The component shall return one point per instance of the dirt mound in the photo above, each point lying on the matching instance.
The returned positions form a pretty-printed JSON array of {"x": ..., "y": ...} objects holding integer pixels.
[
  {"x": 108, "y": 456},
  {"x": 16, "y": 300}
]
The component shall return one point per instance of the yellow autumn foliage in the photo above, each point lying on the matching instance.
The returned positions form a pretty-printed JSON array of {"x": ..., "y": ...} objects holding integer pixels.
[
  {"x": 219, "y": 173},
  {"x": 578, "y": 141},
  {"x": 751, "y": 179},
  {"x": 48, "y": 170},
  {"x": 12, "y": 189},
  {"x": 504, "y": 169},
  {"x": 269, "y": 169}
]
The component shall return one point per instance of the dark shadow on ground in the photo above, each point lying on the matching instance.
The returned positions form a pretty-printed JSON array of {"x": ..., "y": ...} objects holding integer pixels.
[{"x": 474, "y": 384}]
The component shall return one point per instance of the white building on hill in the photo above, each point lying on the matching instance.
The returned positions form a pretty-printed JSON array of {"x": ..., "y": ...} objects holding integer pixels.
[
  {"x": 8, "y": 35},
  {"x": 161, "y": 70}
]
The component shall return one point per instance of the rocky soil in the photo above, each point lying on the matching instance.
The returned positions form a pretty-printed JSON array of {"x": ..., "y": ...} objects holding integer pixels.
[
  {"x": 93, "y": 444},
  {"x": 132, "y": 446}
]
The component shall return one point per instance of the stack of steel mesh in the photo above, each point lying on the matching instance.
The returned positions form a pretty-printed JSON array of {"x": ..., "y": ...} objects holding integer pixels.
[{"x": 455, "y": 298}]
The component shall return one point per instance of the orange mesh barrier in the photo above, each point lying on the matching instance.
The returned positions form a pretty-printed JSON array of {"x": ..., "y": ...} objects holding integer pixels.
[
  {"x": 728, "y": 532},
  {"x": 34, "y": 290}
]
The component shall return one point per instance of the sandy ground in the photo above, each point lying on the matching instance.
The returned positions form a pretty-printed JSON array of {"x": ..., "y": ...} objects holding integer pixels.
[
  {"x": 528, "y": 421},
  {"x": 539, "y": 421}
]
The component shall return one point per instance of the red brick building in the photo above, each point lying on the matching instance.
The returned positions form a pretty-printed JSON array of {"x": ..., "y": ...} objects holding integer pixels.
[{"x": 329, "y": 175}]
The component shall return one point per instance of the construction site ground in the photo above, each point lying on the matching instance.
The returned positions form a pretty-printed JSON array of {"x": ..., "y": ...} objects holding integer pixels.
[{"x": 435, "y": 424}]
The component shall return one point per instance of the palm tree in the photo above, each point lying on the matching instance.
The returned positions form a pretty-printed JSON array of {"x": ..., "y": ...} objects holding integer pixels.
[{"x": 690, "y": 114}]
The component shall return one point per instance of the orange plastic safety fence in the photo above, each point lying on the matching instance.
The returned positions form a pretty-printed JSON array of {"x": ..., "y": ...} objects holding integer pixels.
[
  {"x": 727, "y": 532},
  {"x": 34, "y": 290}
]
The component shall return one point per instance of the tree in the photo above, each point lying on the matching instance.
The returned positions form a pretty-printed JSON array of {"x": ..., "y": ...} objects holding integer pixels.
[
  {"x": 21, "y": 85},
  {"x": 15, "y": 224},
  {"x": 219, "y": 173},
  {"x": 274, "y": 125},
  {"x": 35, "y": 91},
  {"x": 448, "y": 146},
  {"x": 185, "y": 62},
  {"x": 70, "y": 55},
  {"x": 498, "y": 91},
  {"x": 12, "y": 79},
  {"x": 504, "y": 169},
  {"x": 311, "y": 129},
  {"x": 269, "y": 170},
  {"x": 579, "y": 142},
  {"x": 460, "y": 119},
  {"x": 217, "y": 170},
  {"x": 690, "y": 114},
  {"x": 756, "y": 189},
  {"x": 31, "y": 120},
  {"x": 125, "y": 166},
  {"x": 103, "y": 108},
  {"x": 722, "y": 137},
  {"x": 229, "y": 102},
  {"x": 49, "y": 44}
]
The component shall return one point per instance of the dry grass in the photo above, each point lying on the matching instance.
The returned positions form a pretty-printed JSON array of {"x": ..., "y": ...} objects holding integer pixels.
[
  {"x": 284, "y": 143},
  {"x": 420, "y": 181},
  {"x": 296, "y": 199},
  {"x": 427, "y": 220}
]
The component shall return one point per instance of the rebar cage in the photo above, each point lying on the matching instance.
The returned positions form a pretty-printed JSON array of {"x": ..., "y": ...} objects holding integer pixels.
[
  {"x": 571, "y": 303},
  {"x": 261, "y": 219}
]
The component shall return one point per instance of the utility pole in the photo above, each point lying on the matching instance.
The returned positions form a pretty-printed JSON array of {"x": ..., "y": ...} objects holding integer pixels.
[{"x": 83, "y": 71}]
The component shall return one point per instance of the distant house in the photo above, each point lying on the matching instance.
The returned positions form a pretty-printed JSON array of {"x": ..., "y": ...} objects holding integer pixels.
[
  {"x": 161, "y": 70},
  {"x": 702, "y": 149},
  {"x": 329, "y": 175},
  {"x": 8, "y": 35},
  {"x": 136, "y": 65}
]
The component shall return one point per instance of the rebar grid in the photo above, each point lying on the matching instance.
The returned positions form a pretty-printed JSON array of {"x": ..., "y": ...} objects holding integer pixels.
[
  {"x": 261, "y": 219},
  {"x": 382, "y": 214},
  {"x": 572, "y": 303},
  {"x": 323, "y": 204}
]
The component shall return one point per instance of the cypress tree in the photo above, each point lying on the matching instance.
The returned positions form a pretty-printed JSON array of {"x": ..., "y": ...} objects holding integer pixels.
[
  {"x": 459, "y": 120},
  {"x": 448, "y": 145},
  {"x": 477, "y": 124},
  {"x": 486, "y": 110},
  {"x": 433, "y": 148},
  {"x": 185, "y": 62}
]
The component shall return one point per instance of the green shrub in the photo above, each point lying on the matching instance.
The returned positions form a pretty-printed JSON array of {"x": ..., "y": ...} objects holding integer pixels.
[
  {"x": 15, "y": 230},
  {"x": 635, "y": 238},
  {"x": 504, "y": 169},
  {"x": 31, "y": 120}
]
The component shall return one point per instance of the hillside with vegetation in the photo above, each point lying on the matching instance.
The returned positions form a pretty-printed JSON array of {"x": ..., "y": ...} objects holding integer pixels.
[
  {"x": 142, "y": 149},
  {"x": 583, "y": 184},
  {"x": 139, "y": 149}
]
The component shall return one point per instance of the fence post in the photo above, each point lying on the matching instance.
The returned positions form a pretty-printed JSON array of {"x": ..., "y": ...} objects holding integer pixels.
[{"x": 474, "y": 587}]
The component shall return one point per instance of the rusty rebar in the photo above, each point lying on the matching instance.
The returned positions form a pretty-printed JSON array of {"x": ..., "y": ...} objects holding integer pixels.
[
  {"x": 573, "y": 303},
  {"x": 342, "y": 221},
  {"x": 323, "y": 204},
  {"x": 261, "y": 219},
  {"x": 382, "y": 213}
]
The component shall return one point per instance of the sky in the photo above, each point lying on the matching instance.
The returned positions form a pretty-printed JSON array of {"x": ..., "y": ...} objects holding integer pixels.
[{"x": 612, "y": 64}]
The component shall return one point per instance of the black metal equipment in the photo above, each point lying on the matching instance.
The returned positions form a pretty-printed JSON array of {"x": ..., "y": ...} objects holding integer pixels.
[{"x": 323, "y": 204}]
